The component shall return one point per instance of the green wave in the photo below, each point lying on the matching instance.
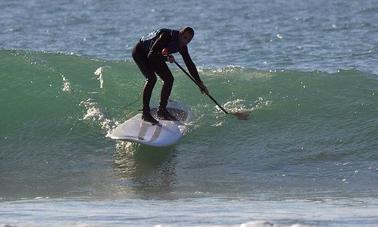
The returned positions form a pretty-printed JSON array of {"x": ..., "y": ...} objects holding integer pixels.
[
  {"x": 53, "y": 102},
  {"x": 56, "y": 110}
]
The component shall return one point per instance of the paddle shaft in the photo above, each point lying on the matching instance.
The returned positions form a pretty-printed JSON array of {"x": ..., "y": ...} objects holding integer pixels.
[{"x": 190, "y": 76}]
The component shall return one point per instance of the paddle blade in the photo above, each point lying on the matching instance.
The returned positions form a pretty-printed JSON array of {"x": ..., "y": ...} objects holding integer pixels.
[{"x": 241, "y": 115}]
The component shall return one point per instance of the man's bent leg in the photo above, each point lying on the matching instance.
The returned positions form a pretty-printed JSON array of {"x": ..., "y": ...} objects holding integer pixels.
[
  {"x": 147, "y": 92},
  {"x": 166, "y": 75},
  {"x": 142, "y": 62}
]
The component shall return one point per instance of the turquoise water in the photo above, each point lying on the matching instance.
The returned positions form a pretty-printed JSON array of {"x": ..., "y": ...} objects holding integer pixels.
[{"x": 305, "y": 72}]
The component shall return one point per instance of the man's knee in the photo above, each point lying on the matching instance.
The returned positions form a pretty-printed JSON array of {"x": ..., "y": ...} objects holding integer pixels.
[
  {"x": 168, "y": 80},
  {"x": 151, "y": 80}
]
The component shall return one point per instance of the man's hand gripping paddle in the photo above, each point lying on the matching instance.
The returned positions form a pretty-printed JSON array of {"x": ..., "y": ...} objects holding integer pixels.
[{"x": 239, "y": 115}]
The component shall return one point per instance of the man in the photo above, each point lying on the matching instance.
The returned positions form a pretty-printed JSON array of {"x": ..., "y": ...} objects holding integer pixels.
[{"x": 150, "y": 54}]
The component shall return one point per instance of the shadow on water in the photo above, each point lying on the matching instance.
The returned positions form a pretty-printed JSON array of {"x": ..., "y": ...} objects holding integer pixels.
[{"x": 145, "y": 171}]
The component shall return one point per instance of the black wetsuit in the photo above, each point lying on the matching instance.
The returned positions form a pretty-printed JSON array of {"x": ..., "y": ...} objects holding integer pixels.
[{"x": 148, "y": 57}]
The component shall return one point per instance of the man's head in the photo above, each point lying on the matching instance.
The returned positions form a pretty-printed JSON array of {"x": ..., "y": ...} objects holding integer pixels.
[{"x": 186, "y": 35}]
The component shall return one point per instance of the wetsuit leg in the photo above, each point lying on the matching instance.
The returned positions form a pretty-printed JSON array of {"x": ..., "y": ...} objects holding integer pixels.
[
  {"x": 165, "y": 74},
  {"x": 141, "y": 60}
]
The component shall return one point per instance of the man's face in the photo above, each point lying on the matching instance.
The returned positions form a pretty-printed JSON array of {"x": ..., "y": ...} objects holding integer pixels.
[{"x": 186, "y": 37}]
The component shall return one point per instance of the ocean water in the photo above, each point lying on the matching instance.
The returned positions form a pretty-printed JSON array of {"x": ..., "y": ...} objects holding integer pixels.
[{"x": 306, "y": 71}]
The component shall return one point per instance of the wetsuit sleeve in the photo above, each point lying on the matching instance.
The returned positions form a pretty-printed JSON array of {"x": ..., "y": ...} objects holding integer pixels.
[
  {"x": 155, "y": 50},
  {"x": 189, "y": 64}
]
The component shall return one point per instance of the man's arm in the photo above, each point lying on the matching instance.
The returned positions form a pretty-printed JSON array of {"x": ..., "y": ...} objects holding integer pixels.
[
  {"x": 189, "y": 64},
  {"x": 193, "y": 69}
]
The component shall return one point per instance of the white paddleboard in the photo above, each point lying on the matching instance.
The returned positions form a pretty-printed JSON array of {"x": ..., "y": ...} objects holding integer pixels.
[{"x": 159, "y": 135}]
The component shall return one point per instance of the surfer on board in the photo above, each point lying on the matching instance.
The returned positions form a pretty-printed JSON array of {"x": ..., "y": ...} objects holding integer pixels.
[{"x": 150, "y": 54}]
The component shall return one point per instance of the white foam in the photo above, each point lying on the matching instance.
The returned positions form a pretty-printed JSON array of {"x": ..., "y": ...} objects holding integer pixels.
[
  {"x": 228, "y": 69},
  {"x": 267, "y": 224},
  {"x": 94, "y": 113},
  {"x": 257, "y": 224},
  {"x": 66, "y": 84},
  {"x": 99, "y": 73},
  {"x": 236, "y": 105},
  {"x": 241, "y": 105}
]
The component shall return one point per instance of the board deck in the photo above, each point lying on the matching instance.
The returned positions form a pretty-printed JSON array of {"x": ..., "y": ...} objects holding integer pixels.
[{"x": 163, "y": 134}]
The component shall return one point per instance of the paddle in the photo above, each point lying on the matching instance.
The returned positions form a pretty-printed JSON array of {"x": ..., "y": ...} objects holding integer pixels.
[{"x": 239, "y": 115}]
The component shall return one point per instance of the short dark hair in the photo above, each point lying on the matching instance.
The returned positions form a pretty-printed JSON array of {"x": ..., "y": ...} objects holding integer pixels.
[{"x": 188, "y": 29}]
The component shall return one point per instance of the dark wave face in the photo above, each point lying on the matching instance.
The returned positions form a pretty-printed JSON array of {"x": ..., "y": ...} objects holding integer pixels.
[{"x": 309, "y": 133}]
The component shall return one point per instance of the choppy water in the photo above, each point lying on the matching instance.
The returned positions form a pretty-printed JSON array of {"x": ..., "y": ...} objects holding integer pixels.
[
  {"x": 305, "y": 71},
  {"x": 311, "y": 35}
]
